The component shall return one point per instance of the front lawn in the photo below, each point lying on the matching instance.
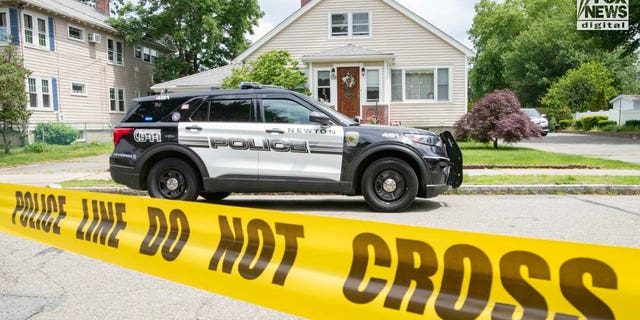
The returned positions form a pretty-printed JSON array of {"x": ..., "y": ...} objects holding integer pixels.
[
  {"x": 28, "y": 155},
  {"x": 475, "y": 153},
  {"x": 549, "y": 180}
]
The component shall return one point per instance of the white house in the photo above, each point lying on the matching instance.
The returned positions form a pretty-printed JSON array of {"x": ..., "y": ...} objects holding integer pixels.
[
  {"x": 625, "y": 102},
  {"x": 371, "y": 58},
  {"x": 82, "y": 72}
]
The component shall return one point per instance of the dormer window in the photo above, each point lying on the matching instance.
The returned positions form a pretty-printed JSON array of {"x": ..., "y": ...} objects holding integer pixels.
[{"x": 350, "y": 24}]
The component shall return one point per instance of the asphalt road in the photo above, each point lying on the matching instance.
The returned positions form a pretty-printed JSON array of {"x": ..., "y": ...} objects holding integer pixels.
[
  {"x": 612, "y": 148},
  {"x": 39, "y": 282}
]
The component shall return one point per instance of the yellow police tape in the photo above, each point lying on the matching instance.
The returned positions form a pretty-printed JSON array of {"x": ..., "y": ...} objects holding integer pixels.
[{"x": 322, "y": 267}]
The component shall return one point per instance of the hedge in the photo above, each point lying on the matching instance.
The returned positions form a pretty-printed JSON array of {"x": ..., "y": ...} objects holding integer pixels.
[{"x": 591, "y": 122}]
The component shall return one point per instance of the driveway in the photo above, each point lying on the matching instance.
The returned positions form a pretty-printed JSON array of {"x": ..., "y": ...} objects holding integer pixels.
[{"x": 611, "y": 148}]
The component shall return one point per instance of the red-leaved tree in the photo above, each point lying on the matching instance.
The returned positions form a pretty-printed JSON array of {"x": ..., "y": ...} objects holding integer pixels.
[{"x": 495, "y": 117}]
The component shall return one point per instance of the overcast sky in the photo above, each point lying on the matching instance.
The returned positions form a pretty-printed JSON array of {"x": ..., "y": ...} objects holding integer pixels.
[{"x": 451, "y": 16}]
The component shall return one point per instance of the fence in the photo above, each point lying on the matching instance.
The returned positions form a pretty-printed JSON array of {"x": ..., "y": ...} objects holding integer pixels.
[
  {"x": 88, "y": 131},
  {"x": 619, "y": 116}
]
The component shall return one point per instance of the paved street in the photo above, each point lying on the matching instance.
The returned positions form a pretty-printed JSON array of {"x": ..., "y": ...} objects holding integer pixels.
[
  {"x": 623, "y": 149},
  {"x": 38, "y": 282}
]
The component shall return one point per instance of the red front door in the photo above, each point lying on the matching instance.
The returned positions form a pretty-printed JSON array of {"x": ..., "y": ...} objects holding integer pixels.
[{"x": 349, "y": 91}]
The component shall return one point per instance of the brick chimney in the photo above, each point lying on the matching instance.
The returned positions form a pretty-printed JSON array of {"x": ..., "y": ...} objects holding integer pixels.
[
  {"x": 304, "y": 3},
  {"x": 103, "y": 6}
]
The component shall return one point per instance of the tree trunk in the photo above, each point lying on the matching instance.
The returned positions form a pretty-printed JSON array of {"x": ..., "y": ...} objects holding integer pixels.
[
  {"x": 5, "y": 138},
  {"x": 495, "y": 143}
]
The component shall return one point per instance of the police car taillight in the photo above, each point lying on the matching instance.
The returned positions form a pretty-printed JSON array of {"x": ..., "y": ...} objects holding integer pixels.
[{"x": 118, "y": 133}]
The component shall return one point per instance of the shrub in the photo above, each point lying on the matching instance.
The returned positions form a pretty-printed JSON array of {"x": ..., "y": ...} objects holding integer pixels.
[
  {"x": 496, "y": 116},
  {"x": 578, "y": 124},
  {"x": 632, "y": 123},
  {"x": 36, "y": 147},
  {"x": 604, "y": 123},
  {"x": 591, "y": 122},
  {"x": 55, "y": 133},
  {"x": 609, "y": 128},
  {"x": 566, "y": 124}
]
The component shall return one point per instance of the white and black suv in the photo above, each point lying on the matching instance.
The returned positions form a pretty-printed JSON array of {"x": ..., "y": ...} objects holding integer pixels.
[{"x": 209, "y": 144}]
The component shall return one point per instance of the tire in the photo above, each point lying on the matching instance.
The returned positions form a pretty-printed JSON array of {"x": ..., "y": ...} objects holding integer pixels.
[
  {"x": 174, "y": 179},
  {"x": 214, "y": 196},
  {"x": 389, "y": 185}
]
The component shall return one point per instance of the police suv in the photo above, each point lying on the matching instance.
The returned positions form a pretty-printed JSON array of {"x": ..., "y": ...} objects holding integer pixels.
[{"x": 259, "y": 139}]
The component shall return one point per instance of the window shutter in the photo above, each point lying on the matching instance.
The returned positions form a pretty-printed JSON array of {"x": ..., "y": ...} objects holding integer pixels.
[
  {"x": 15, "y": 26},
  {"x": 54, "y": 91},
  {"x": 52, "y": 42}
]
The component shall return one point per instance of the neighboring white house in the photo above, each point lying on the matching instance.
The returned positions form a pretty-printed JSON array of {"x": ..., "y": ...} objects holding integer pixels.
[
  {"x": 625, "y": 102},
  {"x": 81, "y": 71},
  {"x": 624, "y": 108},
  {"x": 370, "y": 58}
]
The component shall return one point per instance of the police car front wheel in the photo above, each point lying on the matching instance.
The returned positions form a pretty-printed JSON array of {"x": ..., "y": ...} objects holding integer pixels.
[
  {"x": 173, "y": 178},
  {"x": 389, "y": 184}
]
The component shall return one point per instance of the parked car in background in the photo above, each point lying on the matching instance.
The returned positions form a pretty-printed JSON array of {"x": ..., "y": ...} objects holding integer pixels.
[{"x": 539, "y": 119}]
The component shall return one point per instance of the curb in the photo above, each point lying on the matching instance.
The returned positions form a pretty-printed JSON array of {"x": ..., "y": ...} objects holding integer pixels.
[{"x": 463, "y": 190}]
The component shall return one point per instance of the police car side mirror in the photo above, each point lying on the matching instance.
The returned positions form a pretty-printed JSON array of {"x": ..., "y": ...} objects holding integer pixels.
[
  {"x": 357, "y": 119},
  {"x": 320, "y": 118}
]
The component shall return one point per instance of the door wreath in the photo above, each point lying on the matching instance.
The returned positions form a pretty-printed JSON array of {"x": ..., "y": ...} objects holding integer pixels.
[{"x": 348, "y": 83}]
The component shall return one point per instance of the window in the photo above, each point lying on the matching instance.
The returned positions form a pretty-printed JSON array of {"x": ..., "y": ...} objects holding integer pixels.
[
  {"x": 40, "y": 92},
  {"x": 78, "y": 89},
  {"x": 120, "y": 100},
  {"x": 116, "y": 100},
  {"x": 4, "y": 26},
  {"x": 147, "y": 54},
  {"x": 443, "y": 84},
  {"x": 396, "y": 85},
  {"x": 284, "y": 111},
  {"x": 339, "y": 24},
  {"x": 119, "y": 50},
  {"x": 420, "y": 84},
  {"x": 352, "y": 24},
  {"x": 224, "y": 111},
  {"x": 360, "y": 24},
  {"x": 46, "y": 97},
  {"x": 154, "y": 56},
  {"x": 324, "y": 85},
  {"x": 33, "y": 93},
  {"x": 42, "y": 32},
  {"x": 76, "y": 33},
  {"x": 137, "y": 52},
  {"x": 28, "y": 28},
  {"x": 114, "y": 51},
  {"x": 373, "y": 85}
]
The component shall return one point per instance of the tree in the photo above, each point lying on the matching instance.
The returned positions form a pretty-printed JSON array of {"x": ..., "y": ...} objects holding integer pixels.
[
  {"x": 496, "y": 116},
  {"x": 275, "y": 67},
  {"x": 199, "y": 34},
  {"x": 13, "y": 96},
  {"x": 611, "y": 40},
  {"x": 586, "y": 88}
]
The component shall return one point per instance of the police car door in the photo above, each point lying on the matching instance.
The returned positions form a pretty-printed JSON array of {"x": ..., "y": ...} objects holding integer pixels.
[
  {"x": 297, "y": 148},
  {"x": 221, "y": 132}
]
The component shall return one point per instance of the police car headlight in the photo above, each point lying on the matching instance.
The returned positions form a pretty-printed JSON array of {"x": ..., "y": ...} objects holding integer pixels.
[{"x": 425, "y": 139}]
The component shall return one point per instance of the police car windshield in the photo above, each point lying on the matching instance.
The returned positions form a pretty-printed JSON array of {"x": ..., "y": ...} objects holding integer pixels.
[{"x": 344, "y": 120}]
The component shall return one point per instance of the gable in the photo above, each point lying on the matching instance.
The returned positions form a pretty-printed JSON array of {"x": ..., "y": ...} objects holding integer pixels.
[{"x": 393, "y": 28}]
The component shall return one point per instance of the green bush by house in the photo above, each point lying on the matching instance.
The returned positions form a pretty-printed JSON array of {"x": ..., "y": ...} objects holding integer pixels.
[
  {"x": 591, "y": 122},
  {"x": 566, "y": 124},
  {"x": 605, "y": 123},
  {"x": 55, "y": 133}
]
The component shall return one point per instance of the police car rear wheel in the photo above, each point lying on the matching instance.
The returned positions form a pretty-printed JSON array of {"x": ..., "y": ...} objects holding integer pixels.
[
  {"x": 214, "y": 196},
  {"x": 389, "y": 184},
  {"x": 173, "y": 178}
]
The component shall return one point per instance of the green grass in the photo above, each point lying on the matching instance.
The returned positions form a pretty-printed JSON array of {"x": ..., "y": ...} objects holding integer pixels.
[
  {"x": 555, "y": 180},
  {"x": 478, "y": 153},
  {"x": 90, "y": 183},
  {"x": 19, "y": 156}
]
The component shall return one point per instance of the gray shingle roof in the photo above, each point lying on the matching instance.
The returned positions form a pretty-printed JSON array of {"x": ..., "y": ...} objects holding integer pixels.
[
  {"x": 209, "y": 79},
  {"x": 74, "y": 10}
]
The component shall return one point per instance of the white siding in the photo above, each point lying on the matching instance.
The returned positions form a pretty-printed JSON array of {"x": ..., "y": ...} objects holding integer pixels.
[
  {"x": 84, "y": 62},
  {"x": 392, "y": 32}
]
